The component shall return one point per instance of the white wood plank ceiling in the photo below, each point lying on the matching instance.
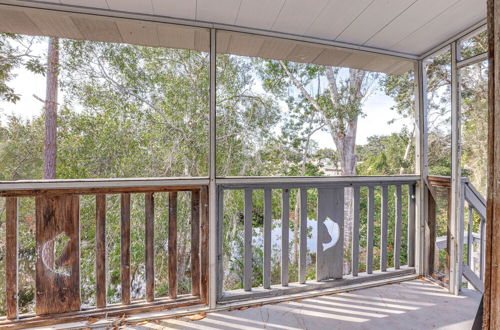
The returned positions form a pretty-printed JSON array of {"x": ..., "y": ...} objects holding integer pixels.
[
  {"x": 410, "y": 27},
  {"x": 406, "y": 26}
]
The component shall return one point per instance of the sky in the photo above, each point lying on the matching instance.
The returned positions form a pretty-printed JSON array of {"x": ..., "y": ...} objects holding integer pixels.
[{"x": 377, "y": 107}]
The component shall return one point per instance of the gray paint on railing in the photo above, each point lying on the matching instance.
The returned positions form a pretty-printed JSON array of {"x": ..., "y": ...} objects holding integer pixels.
[
  {"x": 384, "y": 229},
  {"x": 267, "y": 238},
  {"x": 411, "y": 225},
  {"x": 285, "y": 224},
  {"x": 398, "y": 229},
  {"x": 303, "y": 237},
  {"x": 369, "y": 234},
  {"x": 329, "y": 263},
  {"x": 355, "y": 232},
  {"x": 247, "y": 219}
]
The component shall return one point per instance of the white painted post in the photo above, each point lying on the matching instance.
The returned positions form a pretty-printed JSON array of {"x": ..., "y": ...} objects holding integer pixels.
[
  {"x": 212, "y": 200},
  {"x": 456, "y": 209},
  {"x": 421, "y": 166}
]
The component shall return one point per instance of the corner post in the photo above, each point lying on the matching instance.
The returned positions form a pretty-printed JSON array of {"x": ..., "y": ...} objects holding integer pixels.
[
  {"x": 456, "y": 209},
  {"x": 212, "y": 202},
  {"x": 421, "y": 165}
]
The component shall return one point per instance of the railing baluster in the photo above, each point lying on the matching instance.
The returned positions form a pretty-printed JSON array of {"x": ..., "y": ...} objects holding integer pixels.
[
  {"x": 469, "y": 236},
  {"x": 11, "y": 263},
  {"x": 204, "y": 226},
  {"x": 369, "y": 245},
  {"x": 172, "y": 244},
  {"x": 247, "y": 271},
  {"x": 411, "y": 225},
  {"x": 149, "y": 205},
  {"x": 355, "y": 232},
  {"x": 220, "y": 241},
  {"x": 383, "y": 229},
  {"x": 398, "y": 229},
  {"x": 125, "y": 248},
  {"x": 195, "y": 242},
  {"x": 100, "y": 253},
  {"x": 330, "y": 233},
  {"x": 267, "y": 238},
  {"x": 482, "y": 253},
  {"x": 285, "y": 224},
  {"x": 303, "y": 236}
]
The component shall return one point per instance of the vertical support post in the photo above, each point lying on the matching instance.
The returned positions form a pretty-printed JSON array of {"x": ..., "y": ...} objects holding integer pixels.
[
  {"x": 355, "y": 232},
  {"x": 267, "y": 238},
  {"x": 172, "y": 244},
  {"x": 247, "y": 239},
  {"x": 125, "y": 248},
  {"x": 384, "y": 229},
  {"x": 100, "y": 253},
  {"x": 456, "y": 179},
  {"x": 491, "y": 295},
  {"x": 469, "y": 236},
  {"x": 398, "y": 229},
  {"x": 303, "y": 236},
  {"x": 369, "y": 231},
  {"x": 285, "y": 224},
  {"x": 219, "y": 240},
  {"x": 482, "y": 251},
  {"x": 11, "y": 260},
  {"x": 204, "y": 244},
  {"x": 411, "y": 225},
  {"x": 421, "y": 166},
  {"x": 195, "y": 242},
  {"x": 215, "y": 234},
  {"x": 149, "y": 206}
]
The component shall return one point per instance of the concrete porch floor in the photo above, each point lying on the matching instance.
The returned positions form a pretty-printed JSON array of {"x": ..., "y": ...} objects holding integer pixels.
[{"x": 416, "y": 304}]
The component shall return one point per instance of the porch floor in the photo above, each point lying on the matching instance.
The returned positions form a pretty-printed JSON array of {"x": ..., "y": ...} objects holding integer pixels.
[{"x": 416, "y": 304}]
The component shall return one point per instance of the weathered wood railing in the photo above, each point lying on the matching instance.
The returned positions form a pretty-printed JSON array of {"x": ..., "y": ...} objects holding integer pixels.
[
  {"x": 57, "y": 212},
  {"x": 473, "y": 203},
  {"x": 330, "y": 213}
]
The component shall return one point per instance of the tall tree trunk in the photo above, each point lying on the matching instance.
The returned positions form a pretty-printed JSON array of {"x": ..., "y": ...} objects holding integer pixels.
[
  {"x": 50, "y": 145},
  {"x": 346, "y": 144}
]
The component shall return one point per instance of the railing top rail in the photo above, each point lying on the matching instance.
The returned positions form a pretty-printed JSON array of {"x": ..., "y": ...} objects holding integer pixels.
[
  {"x": 311, "y": 181},
  {"x": 93, "y": 186}
]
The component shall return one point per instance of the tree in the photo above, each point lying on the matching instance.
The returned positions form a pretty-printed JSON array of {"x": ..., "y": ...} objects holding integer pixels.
[
  {"x": 50, "y": 145},
  {"x": 335, "y": 108}
]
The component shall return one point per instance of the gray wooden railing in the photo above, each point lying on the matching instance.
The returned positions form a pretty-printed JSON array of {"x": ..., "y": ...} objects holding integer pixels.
[
  {"x": 473, "y": 203},
  {"x": 330, "y": 206},
  {"x": 476, "y": 205}
]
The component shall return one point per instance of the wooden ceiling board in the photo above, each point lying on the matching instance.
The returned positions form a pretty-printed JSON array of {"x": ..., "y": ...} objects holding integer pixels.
[
  {"x": 185, "y": 9},
  {"x": 296, "y": 16},
  {"x": 331, "y": 57},
  {"x": 202, "y": 40},
  {"x": 457, "y": 18},
  {"x": 220, "y": 11},
  {"x": 304, "y": 53},
  {"x": 378, "y": 14},
  {"x": 17, "y": 21},
  {"x": 259, "y": 14},
  {"x": 87, "y": 3},
  {"x": 97, "y": 28},
  {"x": 401, "y": 68},
  {"x": 275, "y": 48},
  {"x": 405, "y": 24},
  {"x": 245, "y": 44},
  {"x": 53, "y": 25},
  {"x": 336, "y": 16},
  {"x": 133, "y": 6},
  {"x": 223, "y": 40},
  {"x": 139, "y": 33},
  {"x": 174, "y": 36}
]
